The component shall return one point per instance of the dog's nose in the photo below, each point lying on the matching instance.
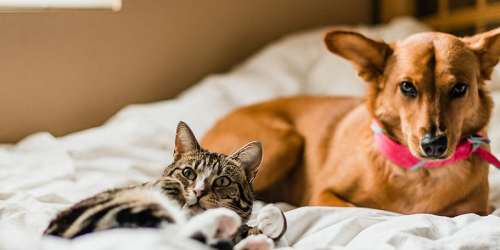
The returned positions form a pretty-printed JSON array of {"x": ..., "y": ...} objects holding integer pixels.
[{"x": 434, "y": 146}]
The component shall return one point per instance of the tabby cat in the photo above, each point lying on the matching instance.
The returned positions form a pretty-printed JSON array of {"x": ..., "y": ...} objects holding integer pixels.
[{"x": 197, "y": 180}]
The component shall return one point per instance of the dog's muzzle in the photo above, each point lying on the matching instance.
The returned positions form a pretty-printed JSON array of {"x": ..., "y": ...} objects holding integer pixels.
[{"x": 434, "y": 146}]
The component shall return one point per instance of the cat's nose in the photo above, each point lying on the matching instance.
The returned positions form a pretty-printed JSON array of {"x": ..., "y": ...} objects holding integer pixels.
[
  {"x": 199, "y": 188},
  {"x": 199, "y": 192}
]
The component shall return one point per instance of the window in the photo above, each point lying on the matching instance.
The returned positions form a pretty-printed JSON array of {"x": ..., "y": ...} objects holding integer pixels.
[{"x": 28, "y": 5}]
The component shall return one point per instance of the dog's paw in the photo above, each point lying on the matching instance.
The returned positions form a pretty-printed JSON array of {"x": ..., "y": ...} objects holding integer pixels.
[
  {"x": 212, "y": 226},
  {"x": 255, "y": 242},
  {"x": 491, "y": 209},
  {"x": 271, "y": 221}
]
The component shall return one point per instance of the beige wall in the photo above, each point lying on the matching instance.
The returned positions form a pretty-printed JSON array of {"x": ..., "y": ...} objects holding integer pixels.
[{"x": 65, "y": 71}]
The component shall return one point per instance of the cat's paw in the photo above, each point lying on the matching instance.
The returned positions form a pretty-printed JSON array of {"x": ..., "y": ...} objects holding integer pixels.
[
  {"x": 212, "y": 226},
  {"x": 271, "y": 221},
  {"x": 255, "y": 242}
]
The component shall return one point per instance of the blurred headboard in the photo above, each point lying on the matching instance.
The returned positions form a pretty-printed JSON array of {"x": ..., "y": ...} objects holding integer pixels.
[
  {"x": 460, "y": 17},
  {"x": 63, "y": 71}
]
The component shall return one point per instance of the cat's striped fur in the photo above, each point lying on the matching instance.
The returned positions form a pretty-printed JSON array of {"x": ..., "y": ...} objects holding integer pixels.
[
  {"x": 146, "y": 205},
  {"x": 197, "y": 180}
]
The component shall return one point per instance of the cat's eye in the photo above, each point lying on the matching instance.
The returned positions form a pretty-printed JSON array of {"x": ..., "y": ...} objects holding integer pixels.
[
  {"x": 222, "y": 181},
  {"x": 189, "y": 173},
  {"x": 408, "y": 89},
  {"x": 458, "y": 90}
]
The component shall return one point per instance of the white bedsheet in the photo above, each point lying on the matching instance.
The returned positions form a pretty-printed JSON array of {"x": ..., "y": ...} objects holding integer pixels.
[{"x": 42, "y": 174}]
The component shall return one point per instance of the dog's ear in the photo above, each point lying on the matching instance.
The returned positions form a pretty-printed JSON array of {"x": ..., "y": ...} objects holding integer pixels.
[
  {"x": 185, "y": 142},
  {"x": 487, "y": 47},
  {"x": 368, "y": 56}
]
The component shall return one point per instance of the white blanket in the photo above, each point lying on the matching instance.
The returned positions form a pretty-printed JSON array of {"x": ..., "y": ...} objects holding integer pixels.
[{"x": 42, "y": 174}]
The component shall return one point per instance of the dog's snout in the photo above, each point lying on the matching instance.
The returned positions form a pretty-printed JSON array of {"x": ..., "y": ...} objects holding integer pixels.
[{"x": 434, "y": 146}]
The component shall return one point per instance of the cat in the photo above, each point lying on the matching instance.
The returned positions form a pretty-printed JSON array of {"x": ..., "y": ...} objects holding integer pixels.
[{"x": 208, "y": 194}]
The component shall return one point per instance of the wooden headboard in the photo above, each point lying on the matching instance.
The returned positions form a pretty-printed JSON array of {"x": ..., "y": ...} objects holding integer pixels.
[{"x": 460, "y": 17}]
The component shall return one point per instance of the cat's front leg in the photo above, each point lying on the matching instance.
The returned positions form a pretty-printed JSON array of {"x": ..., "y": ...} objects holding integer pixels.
[
  {"x": 215, "y": 227},
  {"x": 270, "y": 221},
  {"x": 268, "y": 226},
  {"x": 255, "y": 242}
]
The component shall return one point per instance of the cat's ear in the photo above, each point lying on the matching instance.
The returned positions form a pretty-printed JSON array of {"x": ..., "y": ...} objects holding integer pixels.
[
  {"x": 185, "y": 142},
  {"x": 250, "y": 157}
]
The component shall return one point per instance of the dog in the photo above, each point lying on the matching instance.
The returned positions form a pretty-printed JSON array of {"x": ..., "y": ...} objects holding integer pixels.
[{"x": 425, "y": 94}]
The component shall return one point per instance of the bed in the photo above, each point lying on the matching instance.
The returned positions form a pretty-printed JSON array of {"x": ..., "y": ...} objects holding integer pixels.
[{"x": 42, "y": 174}]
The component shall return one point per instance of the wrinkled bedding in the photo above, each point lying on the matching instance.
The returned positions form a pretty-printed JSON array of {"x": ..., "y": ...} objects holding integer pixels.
[{"x": 42, "y": 175}]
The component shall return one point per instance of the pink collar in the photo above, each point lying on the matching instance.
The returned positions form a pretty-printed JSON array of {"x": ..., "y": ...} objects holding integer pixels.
[{"x": 401, "y": 155}]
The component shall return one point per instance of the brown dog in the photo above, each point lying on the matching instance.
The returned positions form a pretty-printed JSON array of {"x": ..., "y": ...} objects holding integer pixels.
[{"x": 427, "y": 92}]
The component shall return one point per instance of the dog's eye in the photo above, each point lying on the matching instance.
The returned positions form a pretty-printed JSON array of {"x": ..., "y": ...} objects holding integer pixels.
[
  {"x": 458, "y": 90},
  {"x": 408, "y": 89},
  {"x": 222, "y": 181},
  {"x": 189, "y": 173}
]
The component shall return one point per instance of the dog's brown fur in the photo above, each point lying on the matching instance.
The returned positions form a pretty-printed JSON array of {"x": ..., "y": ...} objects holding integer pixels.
[{"x": 320, "y": 151}]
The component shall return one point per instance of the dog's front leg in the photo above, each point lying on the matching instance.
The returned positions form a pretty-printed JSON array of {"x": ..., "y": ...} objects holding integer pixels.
[{"x": 326, "y": 197}]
